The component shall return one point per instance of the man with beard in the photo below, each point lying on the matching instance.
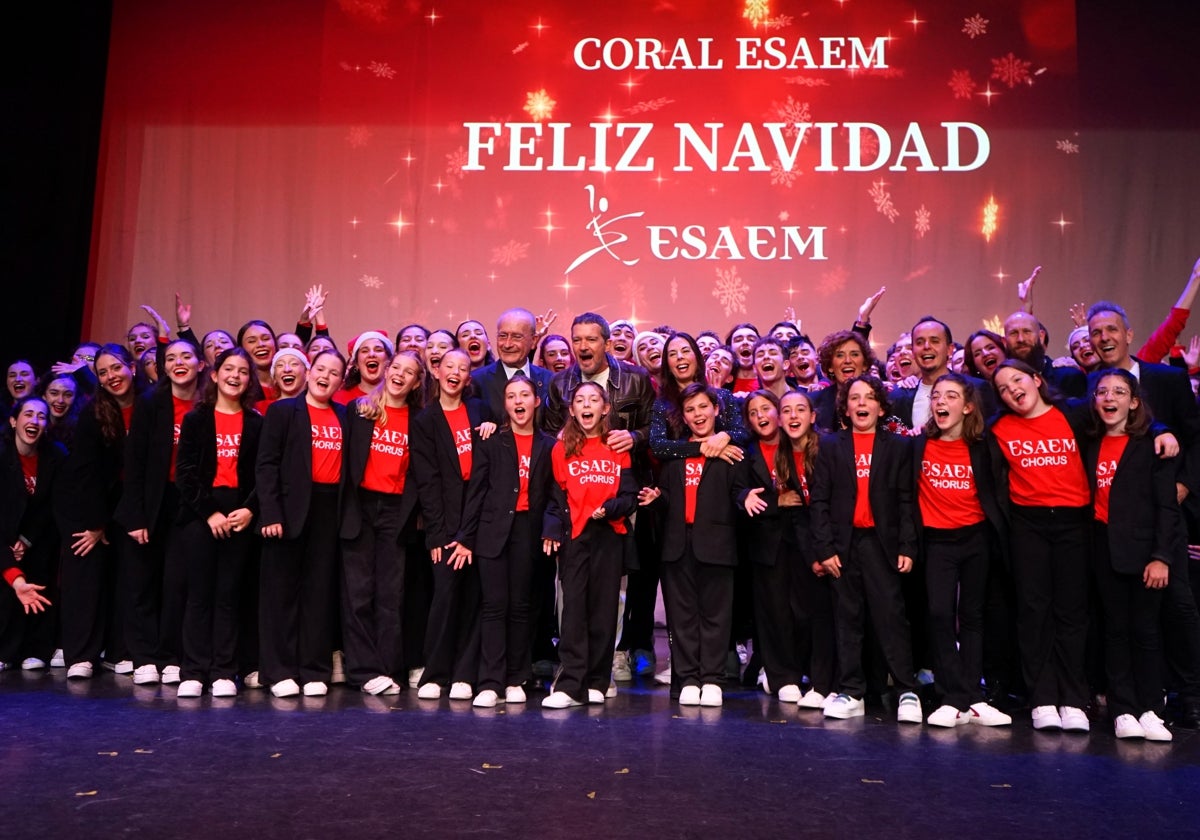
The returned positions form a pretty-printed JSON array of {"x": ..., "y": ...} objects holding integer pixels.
[{"x": 1025, "y": 337}]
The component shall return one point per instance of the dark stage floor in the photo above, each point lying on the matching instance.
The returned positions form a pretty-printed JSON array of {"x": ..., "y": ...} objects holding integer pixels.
[{"x": 105, "y": 758}]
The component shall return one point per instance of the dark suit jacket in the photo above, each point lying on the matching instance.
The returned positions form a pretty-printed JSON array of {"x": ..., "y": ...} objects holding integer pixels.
[
  {"x": 994, "y": 507},
  {"x": 1144, "y": 521},
  {"x": 835, "y": 486},
  {"x": 1069, "y": 382},
  {"x": 440, "y": 487},
  {"x": 714, "y": 536},
  {"x": 902, "y": 400},
  {"x": 490, "y": 380},
  {"x": 824, "y": 403},
  {"x": 283, "y": 470},
  {"x": 494, "y": 488},
  {"x": 148, "y": 449},
  {"x": 23, "y": 515},
  {"x": 89, "y": 485},
  {"x": 768, "y": 529},
  {"x": 196, "y": 462},
  {"x": 356, "y": 449},
  {"x": 629, "y": 392}
]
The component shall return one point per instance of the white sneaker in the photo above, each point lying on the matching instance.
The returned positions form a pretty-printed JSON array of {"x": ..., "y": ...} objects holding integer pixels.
[
  {"x": 514, "y": 694},
  {"x": 316, "y": 688},
  {"x": 339, "y": 668},
  {"x": 414, "y": 676},
  {"x": 843, "y": 706},
  {"x": 252, "y": 680},
  {"x": 812, "y": 699},
  {"x": 57, "y": 660},
  {"x": 595, "y": 697},
  {"x": 908, "y": 710},
  {"x": 190, "y": 688},
  {"x": 224, "y": 688},
  {"x": 663, "y": 677},
  {"x": 985, "y": 714},
  {"x": 710, "y": 695},
  {"x": 285, "y": 688},
  {"x": 1154, "y": 728},
  {"x": 621, "y": 672},
  {"x": 789, "y": 693},
  {"x": 689, "y": 695},
  {"x": 170, "y": 675},
  {"x": 485, "y": 699},
  {"x": 560, "y": 700},
  {"x": 461, "y": 691},
  {"x": 145, "y": 674},
  {"x": 762, "y": 680},
  {"x": 1046, "y": 717},
  {"x": 1127, "y": 726},
  {"x": 80, "y": 671},
  {"x": 125, "y": 666},
  {"x": 429, "y": 691},
  {"x": 611, "y": 691},
  {"x": 393, "y": 687},
  {"x": 33, "y": 664},
  {"x": 376, "y": 685},
  {"x": 947, "y": 716},
  {"x": 1074, "y": 719}
]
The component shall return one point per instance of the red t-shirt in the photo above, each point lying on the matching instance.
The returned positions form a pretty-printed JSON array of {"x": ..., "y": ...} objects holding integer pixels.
[
  {"x": 262, "y": 406},
  {"x": 590, "y": 479},
  {"x": 524, "y": 464},
  {"x": 270, "y": 392},
  {"x": 946, "y": 490},
  {"x": 348, "y": 395},
  {"x": 801, "y": 478},
  {"x": 1045, "y": 469},
  {"x": 1112, "y": 447},
  {"x": 126, "y": 416},
  {"x": 769, "y": 451},
  {"x": 864, "y": 447},
  {"x": 180, "y": 408},
  {"x": 745, "y": 386},
  {"x": 229, "y": 446},
  {"x": 460, "y": 427},
  {"x": 387, "y": 461},
  {"x": 326, "y": 445},
  {"x": 693, "y": 470},
  {"x": 29, "y": 470}
]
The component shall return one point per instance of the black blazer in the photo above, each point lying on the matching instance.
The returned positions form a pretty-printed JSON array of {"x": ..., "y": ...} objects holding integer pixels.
[
  {"x": 283, "y": 469},
  {"x": 147, "y": 459},
  {"x": 1078, "y": 414},
  {"x": 995, "y": 506},
  {"x": 824, "y": 403},
  {"x": 489, "y": 382},
  {"x": 89, "y": 484},
  {"x": 714, "y": 536},
  {"x": 494, "y": 487},
  {"x": 22, "y": 515},
  {"x": 834, "y": 487},
  {"x": 356, "y": 449},
  {"x": 435, "y": 467},
  {"x": 1144, "y": 521},
  {"x": 902, "y": 400},
  {"x": 556, "y": 524},
  {"x": 196, "y": 462},
  {"x": 767, "y": 529}
]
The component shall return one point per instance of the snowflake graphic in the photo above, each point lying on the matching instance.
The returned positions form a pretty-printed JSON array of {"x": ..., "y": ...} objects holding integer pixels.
[
  {"x": 784, "y": 215},
  {"x": 786, "y": 177},
  {"x": 883, "y": 201},
  {"x": 1011, "y": 70},
  {"x": 520, "y": 47},
  {"x": 375, "y": 10},
  {"x": 649, "y": 105},
  {"x": 780, "y": 22},
  {"x": 921, "y": 225},
  {"x": 455, "y": 161},
  {"x": 975, "y": 26},
  {"x": 792, "y": 112},
  {"x": 756, "y": 11},
  {"x": 674, "y": 290},
  {"x": 730, "y": 291},
  {"x": 991, "y": 219},
  {"x": 371, "y": 281},
  {"x": 382, "y": 69},
  {"x": 394, "y": 302},
  {"x": 832, "y": 282},
  {"x": 633, "y": 295},
  {"x": 962, "y": 84},
  {"x": 1067, "y": 147},
  {"x": 358, "y": 136},
  {"x": 539, "y": 105},
  {"x": 510, "y": 252},
  {"x": 994, "y": 324},
  {"x": 806, "y": 81}
]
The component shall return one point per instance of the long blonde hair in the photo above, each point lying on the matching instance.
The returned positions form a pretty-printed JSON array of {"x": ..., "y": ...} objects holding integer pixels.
[{"x": 371, "y": 405}]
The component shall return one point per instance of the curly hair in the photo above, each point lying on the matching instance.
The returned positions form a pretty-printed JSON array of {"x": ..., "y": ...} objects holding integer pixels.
[{"x": 835, "y": 340}]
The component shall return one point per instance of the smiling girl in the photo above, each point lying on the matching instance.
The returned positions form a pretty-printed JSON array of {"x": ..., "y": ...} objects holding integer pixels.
[
  {"x": 258, "y": 340},
  {"x": 370, "y": 354}
]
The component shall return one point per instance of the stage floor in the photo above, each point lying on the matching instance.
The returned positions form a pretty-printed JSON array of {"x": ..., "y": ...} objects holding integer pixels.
[{"x": 107, "y": 758}]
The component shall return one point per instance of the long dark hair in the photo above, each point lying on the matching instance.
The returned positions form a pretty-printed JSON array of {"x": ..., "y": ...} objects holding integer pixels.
[
  {"x": 1140, "y": 416},
  {"x": 669, "y": 390},
  {"x": 573, "y": 437},
  {"x": 104, "y": 405},
  {"x": 253, "y": 393},
  {"x": 969, "y": 355},
  {"x": 783, "y": 453},
  {"x": 973, "y": 423}
]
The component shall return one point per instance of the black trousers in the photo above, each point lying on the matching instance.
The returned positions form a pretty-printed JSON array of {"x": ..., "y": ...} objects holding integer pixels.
[
  {"x": 956, "y": 574},
  {"x": 1181, "y": 629},
  {"x": 1049, "y": 552},
  {"x": 700, "y": 613},
  {"x": 215, "y": 579},
  {"x": 418, "y": 595},
  {"x": 88, "y": 586},
  {"x": 870, "y": 584},
  {"x": 373, "y": 591},
  {"x": 505, "y": 648},
  {"x": 297, "y": 585},
  {"x": 641, "y": 585},
  {"x": 154, "y": 581},
  {"x": 589, "y": 569},
  {"x": 32, "y": 634},
  {"x": 1133, "y": 654},
  {"x": 452, "y": 635}
]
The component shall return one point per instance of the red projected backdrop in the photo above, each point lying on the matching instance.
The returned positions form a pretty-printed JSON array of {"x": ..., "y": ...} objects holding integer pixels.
[{"x": 696, "y": 163}]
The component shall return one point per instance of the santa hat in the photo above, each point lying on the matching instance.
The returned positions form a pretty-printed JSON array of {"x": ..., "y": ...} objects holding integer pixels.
[
  {"x": 376, "y": 334},
  {"x": 290, "y": 351},
  {"x": 1074, "y": 334}
]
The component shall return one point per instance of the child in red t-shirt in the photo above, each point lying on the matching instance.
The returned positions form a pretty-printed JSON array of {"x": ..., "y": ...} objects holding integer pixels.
[{"x": 594, "y": 491}]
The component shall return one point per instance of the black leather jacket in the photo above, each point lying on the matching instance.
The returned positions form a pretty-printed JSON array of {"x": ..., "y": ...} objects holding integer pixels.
[{"x": 629, "y": 392}]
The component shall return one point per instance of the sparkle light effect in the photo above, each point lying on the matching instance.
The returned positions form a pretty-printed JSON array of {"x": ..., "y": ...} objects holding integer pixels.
[
  {"x": 539, "y": 27},
  {"x": 1062, "y": 223},
  {"x": 539, "y": 105},
  {"x": 400, "y": 224},
  {"x": 439, "y": 185},
  {"x": 987, "y": 93},
  {"x": 914, "y": 21},
  {"x": 354, "y": 223},
  {"x": 1000, "y": 275},
  {"x": 433, "y": 17},
  {"x": 629, "y": 84},
  {"x": 991, "y": 218},
  {"x": 408, "y": 157},
  {"x": 549, "y": 226},
  {"x": 756, "y": 11}
]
